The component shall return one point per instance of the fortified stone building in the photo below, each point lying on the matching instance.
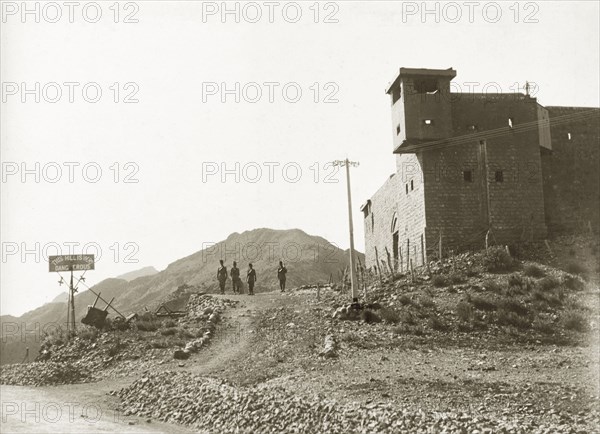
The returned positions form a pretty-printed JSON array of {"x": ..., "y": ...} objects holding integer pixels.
[{"x": 476, "y": 166}]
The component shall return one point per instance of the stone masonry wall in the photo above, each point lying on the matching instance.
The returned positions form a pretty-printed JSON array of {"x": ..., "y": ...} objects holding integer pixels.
[
  {"x": 390, "y": 202},
  {"x": 572, "y": 180},
  {"x": 463, "y": 207}
]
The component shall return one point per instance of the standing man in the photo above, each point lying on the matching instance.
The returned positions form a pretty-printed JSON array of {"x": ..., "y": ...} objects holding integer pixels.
[
  {"x": 235, "y": 278},
  {"x": 222, "y": 276},
  {"x": 281, "y": 272},
  {"x": 250, "y": 279}
]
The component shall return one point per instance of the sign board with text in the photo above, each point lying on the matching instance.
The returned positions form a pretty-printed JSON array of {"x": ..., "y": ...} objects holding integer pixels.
[{"x": 71, "y": 262}]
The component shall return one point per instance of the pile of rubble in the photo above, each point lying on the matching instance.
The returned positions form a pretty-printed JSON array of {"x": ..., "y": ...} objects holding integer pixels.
[
  {"x": 43, "y": 374},
  {"x": 201, "y": 306},
  {"x": 207, "y": 309},
  {"x": 218, "y": 406}
]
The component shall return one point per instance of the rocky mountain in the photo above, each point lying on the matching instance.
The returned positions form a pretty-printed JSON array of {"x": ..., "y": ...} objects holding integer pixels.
[
  {"x": 309, "y": 259},
  {"x": 132, "y": 275},
  {"x": 63, "y": 297}
]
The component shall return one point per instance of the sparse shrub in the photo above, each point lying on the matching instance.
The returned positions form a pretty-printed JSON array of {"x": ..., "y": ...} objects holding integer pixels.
[
  {"x": 548, "y": 283},
  {"x": 389, "y": 315},
  {"x": 55, "y": 337},
  {"x": 543, "y": 325},
  {"x": 88, "y": 333},
  {"x": 117, "y": 323},
  {"x": 439, "y": 281},
  {"x": 350, "y": 337},
  {"x": 115, "y": 348},
  {"x": 403, "y": 329},
  {"x": 147, "y": 316},
  {"x": 159, "y": 343},
  {"x": 464, "y": 311},
  {"x": 185, "y": 334},
  {"x": 169, "y": 323},
  {"x": 464, "y": 327},
  {"x": 436, "y": 323},
  {"x": 534, "y": 271},
  {"x": 168, "y": 331},
  {"x": 514, "y": 306},
  {"x": 496, "y": 259},
  {"x": 407, "y": 317},
  {"x": 483, "y": 303},
  {"x": 147, "y": 325},
  {"x": 573, "y": 282},
  {"x": 369, "y": 316},
  {"x": 428, "y": 291},
  {"x": 457, "y": 278},
  {"x": 576, "y": 268},
  {"x": 510, "y": 318},
  {"x": 472, "y": 272},
  {"x": 573, "y": 320},
  {"x": 405, "y": 300},
  {"x": 516, "y": 280},
  {"x": 426, "y": 301},
  {"x": 493, "y": 286}
]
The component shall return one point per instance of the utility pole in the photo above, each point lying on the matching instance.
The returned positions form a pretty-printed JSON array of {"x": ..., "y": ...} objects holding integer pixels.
[{"x": 348, "y": 163}]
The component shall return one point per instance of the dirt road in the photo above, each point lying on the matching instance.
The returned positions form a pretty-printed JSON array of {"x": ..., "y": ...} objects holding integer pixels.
[{"x": 89, "y": 408}]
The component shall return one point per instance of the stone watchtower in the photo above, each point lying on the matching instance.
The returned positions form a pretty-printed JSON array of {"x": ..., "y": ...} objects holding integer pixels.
[
  {"x": 421, "y": 106},
  {"x": 467, "y": 165}
]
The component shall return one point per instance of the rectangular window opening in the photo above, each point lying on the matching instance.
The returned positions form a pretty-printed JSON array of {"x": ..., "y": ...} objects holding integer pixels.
[
  {"x": 511, "y": 122},
  {"x": 468, "y": 175},
  {"x": 568, "y": 136},
  {"x": 398, "y": 129},
  {"x": 406, "y": 188},
  {"x": 412, "y": 186},
  {"x": 499, "y": 176},
  {"x": 428, "y": 121},
  {"x": 429, "y": 86}
]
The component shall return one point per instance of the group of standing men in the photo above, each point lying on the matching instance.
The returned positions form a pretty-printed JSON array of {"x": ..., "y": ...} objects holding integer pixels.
[{"x": 250, "y": 277}]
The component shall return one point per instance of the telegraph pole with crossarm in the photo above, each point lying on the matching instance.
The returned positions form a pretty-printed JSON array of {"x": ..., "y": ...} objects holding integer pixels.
[{"x": 348, "y": 163}]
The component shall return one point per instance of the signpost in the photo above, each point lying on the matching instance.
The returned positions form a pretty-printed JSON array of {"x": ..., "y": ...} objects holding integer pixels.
[{"x": 71, "y": 263}]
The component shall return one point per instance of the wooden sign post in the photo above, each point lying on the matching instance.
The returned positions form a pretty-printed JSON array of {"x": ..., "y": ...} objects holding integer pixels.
[{"x": 71, "y": 263}]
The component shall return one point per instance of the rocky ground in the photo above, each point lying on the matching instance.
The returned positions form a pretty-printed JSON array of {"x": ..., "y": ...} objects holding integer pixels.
[
  {"x": 150, "y": 343},
  {"x": 454, "y": 348}
]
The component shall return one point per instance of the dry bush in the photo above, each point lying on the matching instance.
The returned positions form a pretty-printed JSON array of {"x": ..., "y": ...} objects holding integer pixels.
[
  {"x": 511, "y": 318},
  {"x": 515, "y": 306},
  {"x": 483, "y": 303},
  {"x": 534, "y": 271},
  {"x": 493, "y": 286},
  {"x": 574, "y": 320},
  {"x": 440, "y": 281},
  {"x": 496, "y": 259},
  {"x": 369, "y": 316},
  {"x": 426, "y": 301},
  {"x": 457, "y": 278},
  {"x": 389, "y": 315},
  {"x": 436, "y": 323},
  {"x": 464, "y": 311},
  {"x": 88, "y": 333},
  {"x": 405, "y": 300},
  {"x": 548, "y": 283},
  {"x": 543, "y": 325},
  {"x": 169, "y": 331}
]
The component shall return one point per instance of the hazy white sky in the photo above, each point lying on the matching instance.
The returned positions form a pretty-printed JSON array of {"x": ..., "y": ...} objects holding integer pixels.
[{"x": 180, "y": 130}]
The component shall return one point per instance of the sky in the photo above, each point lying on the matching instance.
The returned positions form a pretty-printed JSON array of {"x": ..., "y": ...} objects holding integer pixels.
[{"x": 180, "y": 123}]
